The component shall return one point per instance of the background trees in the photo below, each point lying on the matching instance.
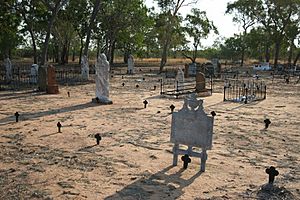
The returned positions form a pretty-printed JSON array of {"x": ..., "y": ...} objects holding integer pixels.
[{"x": 60, "y": 30}]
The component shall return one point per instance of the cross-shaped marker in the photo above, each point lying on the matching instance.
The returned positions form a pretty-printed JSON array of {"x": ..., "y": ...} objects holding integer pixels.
[
  {"x": 98, "y": 138},
  {"x": 267, "y": 123},
  {"x": 145, "y": 103},
  {"x": 172, "y": 107},
  {"x": 122, "y": 77},
  {"x": 68, "y": 94},
  {"x": 17, "y": 116},
  {"x": 272, "y": 173},
  {"x": 213, "y": 113},
  {"x": 137, "y": 86},
  {"x": 59, "y": 126},
  {"x": 123, "y": 84},
  {"x": 186, "y": 160},
  {"x": 154, "y": 87}
]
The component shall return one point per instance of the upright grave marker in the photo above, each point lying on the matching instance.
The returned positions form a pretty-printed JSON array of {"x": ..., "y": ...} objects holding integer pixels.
[
  {"x": 52, "y": 87},
  {"x": 192, "y": 127},
  {"x": 130, "y": 62}
]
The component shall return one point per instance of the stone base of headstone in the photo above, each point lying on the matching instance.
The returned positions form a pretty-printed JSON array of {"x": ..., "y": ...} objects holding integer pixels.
[
  {"x": 52, "y": 89},
  {"x": 102, "y": 101}
]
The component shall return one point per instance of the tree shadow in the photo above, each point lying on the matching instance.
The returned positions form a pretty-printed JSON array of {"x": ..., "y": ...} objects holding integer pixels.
[
  {"x": 27, "y": 116},
  {"x": 23, "y": 94},
  {"x": 160, "y": 185}
]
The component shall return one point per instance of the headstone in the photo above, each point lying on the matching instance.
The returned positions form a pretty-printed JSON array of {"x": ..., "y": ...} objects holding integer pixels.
[
  {"x": 59, "y": 126},
  {"x": 98, "y": 138},
  {"x": 145, "y": 103},
  {"x": 213, "y": 113},
  {"x": 102, "y": 80},
  {"x": 272, "y": 173},
  {"x": 192, "y": 127},
  {"x": 52, "y": 87},
  {"x": 186, "y": 160},
  {"x": 130, "y": 62},
  {"x": 267, "y": 123},
  {"x": 17, "y": 116},
  {"x": 179, "y": 80},
  {"x": 68, "y": 94},
  {"x": 42, "y": 78},
  {"x": 200, "y": 82},
  {"x": 8, "y": 68},
  {"x": 34, "y": 73},
  {"x": 85, "y": 67}
]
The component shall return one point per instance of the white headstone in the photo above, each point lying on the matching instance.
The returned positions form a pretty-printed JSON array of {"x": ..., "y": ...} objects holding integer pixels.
[
  {"x": 191, "y": 126},
  {"x": 34, "y": 73},
  {"x": 8, "y": 67},
  {"x": 85, "y": 67},
  {"x": 130, "y": 63},
  {"x": 179, "y": 80},
  {"x": 102, "y": 79}
]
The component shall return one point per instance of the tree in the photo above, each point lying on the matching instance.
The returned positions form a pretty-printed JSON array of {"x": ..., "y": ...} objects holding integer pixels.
[
  {"x": 171, "y": 10},
  {"x": 242, "y": 15},
  {"x": 9, "y": 22},
  {"x": 53, "y": 8},
  {"x": 198, "y": 27}
]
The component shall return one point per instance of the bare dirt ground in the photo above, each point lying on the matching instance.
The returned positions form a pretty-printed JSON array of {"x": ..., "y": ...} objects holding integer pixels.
[{"x": 134, "y": 159}]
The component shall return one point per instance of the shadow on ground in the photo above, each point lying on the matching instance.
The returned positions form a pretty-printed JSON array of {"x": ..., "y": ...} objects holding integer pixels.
[
  {"x": 28, "y": 116},
  {"x": 160, "y": 185}
]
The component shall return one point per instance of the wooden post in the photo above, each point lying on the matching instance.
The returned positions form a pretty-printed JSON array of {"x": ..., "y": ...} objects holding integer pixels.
[
  {"x": 203, "y": 160},
  {"x": 175, "y": 154}
]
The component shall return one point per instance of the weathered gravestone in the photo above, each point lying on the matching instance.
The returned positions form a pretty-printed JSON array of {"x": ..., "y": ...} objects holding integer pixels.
[
  {"x": 85, "y": 68},
  {"x": 130, "y": 62},
  {"x": 8, "y": 68},
  {"x": 52, "y": 87},
  {"x": 179, "y": 80},
  {"x": 192, "y": 127},
  {"x": 34, "y": 73},
  {"x": 200, "y": 82},
  {"x": 192, "y": 69},
  {"x": 102, "y": 80}
]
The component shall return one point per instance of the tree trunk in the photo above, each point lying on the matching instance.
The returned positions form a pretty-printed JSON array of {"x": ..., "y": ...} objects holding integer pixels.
[
  {"x": 296, "y": 59},
  {"x": 290, "y": 55},
  {"x": 242, "y": 57},
  {"x": 267, "y": 52},
  {"x": 73, "y": 54},
  {"x": 277, "y": 49},
  {"x": 91, "y": 24},
  {"x": 164, "y": 54},
  {"x": 81, "y": 49},
  {"x": 112, "y": 52},
  {"x": 34, "y": 47}
]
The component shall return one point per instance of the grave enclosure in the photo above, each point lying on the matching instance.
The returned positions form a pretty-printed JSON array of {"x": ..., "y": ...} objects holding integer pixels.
[{"x": 244, "y": 90}]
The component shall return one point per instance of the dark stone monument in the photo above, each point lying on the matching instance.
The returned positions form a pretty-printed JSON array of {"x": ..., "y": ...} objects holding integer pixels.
[
  {"x": 123, "y": 84},
  {"x": 17, "y": 116},
  {"x": 52, "y": 87},
  {"x": 272, "y": 173},
  {"x": 42, "y": 78},
  {"x": 145, "y": 103},
  {"x": 59, "y": 126},
  {"x": 68, "y": 94},
  {"x": 186, "y": 160},
  {"x": 137, "y": 86},
  {"x": 172, "y": 107},
  {"x": 267, "y": 123},
  {"x": 98, "y": 138}
]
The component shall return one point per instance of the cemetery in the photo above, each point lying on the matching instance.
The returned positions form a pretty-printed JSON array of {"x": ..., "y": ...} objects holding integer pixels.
[
  {"x": 149, "y": 100},
  {"x": 146, "y": 145}
]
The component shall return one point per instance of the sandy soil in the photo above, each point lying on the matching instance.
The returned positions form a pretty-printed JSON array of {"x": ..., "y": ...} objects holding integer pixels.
[{"x": 134, "y": 159}]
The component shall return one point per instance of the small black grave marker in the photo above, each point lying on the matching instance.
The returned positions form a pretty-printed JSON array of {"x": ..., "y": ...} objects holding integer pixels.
[
  {"x": 267, "y": 123},
  {"x": 145, "y": 103},
  {"x": 140, "y": 70},
  {"x": 213, "y": 113},
  {"x": 122, "y": 77},
  {"x": 172, "y": 107},
  {"x": 154, "y": 87},
  {"x": 137, "y": 86},
  {"x": 59, "y": 126},
  {"x": 186, "y": 160},
  {"x": 17, "y": 116},
  {"x": 68, "y": 94},
  {"x": 272, "y": 173},
  {"x": 144, "y": 79},
  {"x": 98, "y": 138},
  {"x": 123, "y": 84},
  {"x": 112, "y": 76}
]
